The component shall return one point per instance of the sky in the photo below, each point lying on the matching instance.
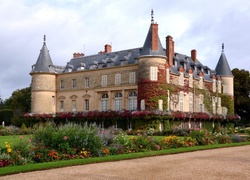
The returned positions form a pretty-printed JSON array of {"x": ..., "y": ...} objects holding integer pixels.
[{"x": 87, "y": 25}]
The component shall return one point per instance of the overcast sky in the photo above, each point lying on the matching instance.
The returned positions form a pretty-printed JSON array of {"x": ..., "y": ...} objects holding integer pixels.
[{"x": 87, "y": 25}]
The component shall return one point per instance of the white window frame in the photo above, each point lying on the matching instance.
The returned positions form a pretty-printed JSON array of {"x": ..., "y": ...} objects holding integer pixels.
[
  {"x": 214, "y": 104},
  {"x": 74, "y": 105},
  {"x": 191, "y": 80},
  {"x": 181, "y": 79},
  {"x": 118, "y": 78},
  {"x": 201, "y": 105},
  {"x": 61, "y": 106},
  {"x": 104, "y": 102},
  {"x": 191, "y": 102},
  {"x": 201, "y": 82},
  {"x": 219, "y": 86},
  {"x": 118, "y": 101},
  {"x": 62, "y": 84},
  {"x": 167, "y": 76},
  {"x": 132, "y": 101},
  {"x": 214, "y": 85},
  {"x": 153, "y": 73},
  {"x": 74, "y": 83},
  {"x": 86, "y": 104},
  {"x": 181, "y": 101},
  {"x": 87, "y": 82},
  {"x": 132, "y": 78},
  {"x": 104, "y": 80}
]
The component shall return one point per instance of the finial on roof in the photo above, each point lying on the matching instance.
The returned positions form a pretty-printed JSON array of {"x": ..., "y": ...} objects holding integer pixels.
[
  {"x": 222, "y": 47},
  {"x": 152, "y": 16},
  {"x": 44, "y": 39}
]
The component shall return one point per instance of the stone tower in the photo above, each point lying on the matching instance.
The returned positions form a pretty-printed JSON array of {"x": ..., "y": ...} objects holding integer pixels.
[
  {"x": 151, "y": 68},
  {"x": 224, "y": 72},
  {"x": 43, "y": 84}
]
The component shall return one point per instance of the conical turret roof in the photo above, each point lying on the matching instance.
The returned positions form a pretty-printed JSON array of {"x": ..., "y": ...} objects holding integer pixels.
[
  {"x": 147, "y": 48},
  {"x": 222, "y": 67},
  {"x": 44, "y": 62}
]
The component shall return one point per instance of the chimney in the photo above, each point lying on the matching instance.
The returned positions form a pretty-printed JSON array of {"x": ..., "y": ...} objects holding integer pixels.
[
  {"x": 170, "y": 50},
  {"x": 77, "y": 55},
  {"x": 108, "y": 48},
  {"x": 154, "y": 37},
  {"x": 193, "y": 55}
]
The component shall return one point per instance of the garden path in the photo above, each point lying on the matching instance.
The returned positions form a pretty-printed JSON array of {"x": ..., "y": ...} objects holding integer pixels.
[{"x": 224, "y": 163}]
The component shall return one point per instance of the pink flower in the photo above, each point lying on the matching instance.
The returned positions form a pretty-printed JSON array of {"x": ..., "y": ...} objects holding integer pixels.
[
  {"x": 65, "y": 138},
  {"x": 21, "y": 137},
  {"x": 29, "y": 140}
]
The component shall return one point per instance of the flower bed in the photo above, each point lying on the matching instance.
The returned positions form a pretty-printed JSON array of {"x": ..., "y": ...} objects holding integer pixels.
[{"x": 70, "y": 141}]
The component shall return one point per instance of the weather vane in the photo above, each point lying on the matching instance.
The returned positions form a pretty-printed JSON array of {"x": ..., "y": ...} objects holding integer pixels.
[
  {"x": 222, "y": 47},
  {"x": 44, "y": 39},
  {"x": 152, "y": 16}
]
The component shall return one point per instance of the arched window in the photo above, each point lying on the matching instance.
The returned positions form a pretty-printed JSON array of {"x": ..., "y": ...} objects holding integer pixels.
[
  {"x": 132, "y": 101},
  {"x": 104, "y": 102},
  {"x": 118, "y": 101}
]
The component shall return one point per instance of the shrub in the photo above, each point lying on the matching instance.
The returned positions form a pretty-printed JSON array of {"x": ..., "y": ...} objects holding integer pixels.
[
  {"x": 69, "y": 138},
  {"x": 172, "y": 142},
  {"x": 237, "y": 138},
  {"x": 203, "y": 137}
]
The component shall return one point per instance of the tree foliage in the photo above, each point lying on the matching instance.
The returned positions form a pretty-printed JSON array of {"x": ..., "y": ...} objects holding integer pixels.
[
  {"x": 20, "y": 101},
  {"x": 242, "y": 93}
]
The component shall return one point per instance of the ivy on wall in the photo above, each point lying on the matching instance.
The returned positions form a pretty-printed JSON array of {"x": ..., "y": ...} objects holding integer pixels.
[{"x": 228, "y": 102}]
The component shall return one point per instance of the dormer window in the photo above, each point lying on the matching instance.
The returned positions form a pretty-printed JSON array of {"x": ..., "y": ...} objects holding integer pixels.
[{"x": 175, "y": 63}]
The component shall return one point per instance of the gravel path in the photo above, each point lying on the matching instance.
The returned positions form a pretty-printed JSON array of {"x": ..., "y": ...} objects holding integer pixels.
[{"x": 224, "y": 163}]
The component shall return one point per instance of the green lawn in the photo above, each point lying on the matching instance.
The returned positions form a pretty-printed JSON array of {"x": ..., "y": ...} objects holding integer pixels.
[{"x": 11, "y": 139}]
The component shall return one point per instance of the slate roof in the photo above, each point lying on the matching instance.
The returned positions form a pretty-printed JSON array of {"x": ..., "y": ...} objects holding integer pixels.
[
  {"x": 222, "y": 67},
  {"x": 130, "y": 56},
  {"x": 44, "y": 62},
  {"x": 147, "y": 47}
]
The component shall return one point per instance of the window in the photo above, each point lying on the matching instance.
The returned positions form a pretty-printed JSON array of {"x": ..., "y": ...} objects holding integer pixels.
[
  {"x": 104, "y": 80},
  {"x": 86, "y": 105},
  {"x": 225, "y": 90},
  {"x": 104, "y": 102},
  {"x": 181, "y": 79},
  {"x": 53, "y": 100},
  {"x": 62, "y": 84},
  {"x": 117, "y": 79},
  {"x": 191, "y": 81},
  {"x": 214, "y": 85},
  {"x": 142, "y": 104},
  {"x": 153, "y": 73},
  {"x": 74, "y": 83},
  {"x": 201, "y": 83},
  {"x": 132, "y": 101},
  {"x": 213, "y": 104},
  {"x": 181, "y": 100},
  {"x": 118, "y": 102},
  {"x": 73, "y": 105},
  {"x": 201, "y": 105},
  {"x": 132, "y": 78},
  {"x": 160, "y": 104},
  {"x": 61, "y": 106},
  {"x": 167, "y": 76},
  {"x": 219, "y": 102},
  {"x": 219, "y": 86},
  {"x": 191, "y": 102},
  {"x": 86, "y": 82}
]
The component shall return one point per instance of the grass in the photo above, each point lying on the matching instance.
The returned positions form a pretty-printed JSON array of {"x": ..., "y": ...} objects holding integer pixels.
[
  {"x": 11, "y": 139},
  {"x": 57, "y": 164}
]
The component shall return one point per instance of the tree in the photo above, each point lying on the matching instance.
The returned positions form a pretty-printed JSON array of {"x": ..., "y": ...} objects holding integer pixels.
[
  {"x": 1, "y": 103},
  {"x": 20, "y": 101},
  {"x": 242, "y": 94}
]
